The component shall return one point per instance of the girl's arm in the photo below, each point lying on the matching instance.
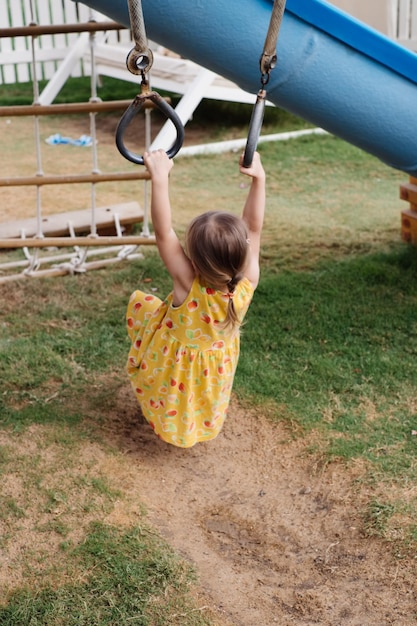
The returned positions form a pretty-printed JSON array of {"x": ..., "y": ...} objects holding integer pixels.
[
  {"x": 169, "y": 246},
  {"x": 253, "y": 214}
]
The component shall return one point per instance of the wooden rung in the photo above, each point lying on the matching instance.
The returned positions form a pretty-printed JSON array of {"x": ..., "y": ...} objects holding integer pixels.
[
  {"x": 70, "y": 179},
  {"x": 60, "y": 109},
  {"x": 34, "y": 30},
  {"x": 94, "y": 106},
  {"x": 408, "y": 192},
  {"x": 71, "y": 242},
  {"x": 57, "y": 225}
]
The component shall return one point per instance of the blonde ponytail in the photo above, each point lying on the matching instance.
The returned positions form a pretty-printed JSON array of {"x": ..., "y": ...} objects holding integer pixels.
[
  {"x": 217, "y": 244},
  {"x": 232, "y": 321}
]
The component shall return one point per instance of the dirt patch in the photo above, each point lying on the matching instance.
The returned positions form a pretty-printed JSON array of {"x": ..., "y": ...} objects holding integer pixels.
[{"x": 275, "y": 539}]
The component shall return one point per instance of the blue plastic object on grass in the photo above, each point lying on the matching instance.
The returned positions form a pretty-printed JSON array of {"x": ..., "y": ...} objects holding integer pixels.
[{"x": 84, "y": 140}]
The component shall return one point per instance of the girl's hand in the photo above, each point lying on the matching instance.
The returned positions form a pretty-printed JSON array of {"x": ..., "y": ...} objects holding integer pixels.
[
  {"x": 255, "y": 170},
  {"x": 158, "y": 164}
]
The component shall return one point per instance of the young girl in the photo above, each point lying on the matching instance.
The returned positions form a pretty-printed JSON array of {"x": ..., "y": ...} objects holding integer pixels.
[{"x": 185, "y": 349}]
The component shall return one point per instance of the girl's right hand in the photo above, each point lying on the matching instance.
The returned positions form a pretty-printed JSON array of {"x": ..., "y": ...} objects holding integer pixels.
[{"x": 255, "y": 170}]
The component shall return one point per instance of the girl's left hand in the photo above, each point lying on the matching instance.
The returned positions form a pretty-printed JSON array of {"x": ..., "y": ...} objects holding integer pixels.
[{"x": 158, "y": 163}]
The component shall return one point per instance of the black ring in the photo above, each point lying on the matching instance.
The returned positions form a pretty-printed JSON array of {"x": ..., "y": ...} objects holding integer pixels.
[{"x": 132, "y": 110}]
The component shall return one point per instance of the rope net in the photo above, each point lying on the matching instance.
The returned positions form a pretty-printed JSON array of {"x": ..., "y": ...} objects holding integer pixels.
[{"x": 45, "y": 255}]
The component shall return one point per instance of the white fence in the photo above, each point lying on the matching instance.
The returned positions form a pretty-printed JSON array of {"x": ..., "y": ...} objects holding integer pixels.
[
  {"x": 50, "y": 50},
  {"x": 395, "y": 18},
  {"x": 404, "y": 20}
]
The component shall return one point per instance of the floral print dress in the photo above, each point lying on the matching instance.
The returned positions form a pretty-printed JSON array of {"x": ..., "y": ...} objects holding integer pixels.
[{"x": 181, "y": 364}]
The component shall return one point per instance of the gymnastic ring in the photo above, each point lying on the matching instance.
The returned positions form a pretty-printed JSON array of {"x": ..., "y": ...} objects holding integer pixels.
[
  {"x": 254, "y": 128},
  {"x": 132, "y": 110}
]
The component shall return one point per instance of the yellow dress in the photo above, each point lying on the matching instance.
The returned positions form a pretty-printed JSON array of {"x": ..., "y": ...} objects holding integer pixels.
[{"x": 181, "y": 365}]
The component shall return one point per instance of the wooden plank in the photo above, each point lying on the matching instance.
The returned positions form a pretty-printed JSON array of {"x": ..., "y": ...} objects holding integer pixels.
[
  {"x": 47, "y": 68},
  {"x": 8, "y": 57},
  {"x": 71, "y": 12},
  {"x": 406, "y": 32},
  {"x": 57, "y": 17},
  {"x": 408, "y": 192},
  {"x": 409, "y": 226},
  {"x": 413, "y": 24},
  {"x": 403, "y": 24},
  {"x": 56, "y": 225},
  {"x": 20, "y": 44},
  {"x": 8, "y": 73}
]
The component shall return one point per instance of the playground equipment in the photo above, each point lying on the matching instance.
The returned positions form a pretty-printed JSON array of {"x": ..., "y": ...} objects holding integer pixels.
[
  {"x": 32, "y": 235},
  {"x": 267, "y": 62},
  {"x": 333, "y": 70},
  {"x": 139, "y": 62},
  {"x": 408, "y": 192}
]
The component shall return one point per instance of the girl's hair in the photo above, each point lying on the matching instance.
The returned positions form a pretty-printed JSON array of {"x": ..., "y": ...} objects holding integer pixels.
[{"x": 217, "y": 245}]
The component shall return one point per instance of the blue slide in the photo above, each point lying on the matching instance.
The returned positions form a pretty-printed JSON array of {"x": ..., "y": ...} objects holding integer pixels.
[{"x": 332, "y": 70}]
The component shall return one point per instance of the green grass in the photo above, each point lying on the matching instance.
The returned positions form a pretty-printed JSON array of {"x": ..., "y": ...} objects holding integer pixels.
[
  {"x": 329, "y": 349},
  {"x": 339, "y": 354},
  {"x": 129, "y": 577},
  {"x": 377, "y": 517}
]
